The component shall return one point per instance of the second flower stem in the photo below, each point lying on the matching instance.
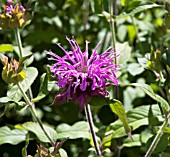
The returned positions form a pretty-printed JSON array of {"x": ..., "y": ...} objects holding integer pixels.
[
  {"x": 35, "y": 114},
  {"x": 157, "y": 138},
  {"x": 91, "y": 125}
]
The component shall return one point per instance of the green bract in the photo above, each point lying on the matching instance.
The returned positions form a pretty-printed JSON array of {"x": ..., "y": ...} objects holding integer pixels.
[{"x": 12, "y": 73}]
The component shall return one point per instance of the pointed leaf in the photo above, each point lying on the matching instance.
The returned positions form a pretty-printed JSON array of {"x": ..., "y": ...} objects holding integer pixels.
[
  {"x": 138, "y": 10},
  {"x": 148, "y": 90},
  {"x": 11, "y": 136},
  {"x": 36, "y": 129},
  {"x": 117, "y": 107},
  {"x": 25, "y": 58},
  {"x": 14, "y": 92},
  {"x": 136, "y": 117},
  {"x": 77, "y": 130}
]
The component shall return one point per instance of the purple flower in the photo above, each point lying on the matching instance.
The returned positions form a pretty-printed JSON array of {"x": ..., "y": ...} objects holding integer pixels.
[{"x": 83, "y": 76}]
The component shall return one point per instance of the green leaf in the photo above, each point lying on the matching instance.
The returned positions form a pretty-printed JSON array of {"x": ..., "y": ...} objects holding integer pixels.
[
  {"x": 138, "y": 10},
  {"x": 117, "y": 107},
  {"x": 14, "y": 92},
  {"x": 28, "y": 57},
  {"x": 11, "y": 136},
  {"x": 20, "y": 105},
  {"x": 135, "y": 69},
  {"x": 125, "y": 52},
  {"x": 77, "y": 130},
  {"x": 129, "y": 143},
  {"x": 145, "y": 136},
  {"x": 6, "y": 48},
  {"x": 134, "y": 11},
  {"x": 45, "y": 88},
  {"x": 148, "y": 90},
  {"x": 21, "y": 60},
  {"x": 63, "y": 153},
  {"x": 4, "y": 100},
  {"x": 123, "y": 2},
  {"x": 36, "y": 129},
  {"x": 136, "y": 117},
  {"x": 129, "y": 95},
  {"x": 122, "y": 32}
]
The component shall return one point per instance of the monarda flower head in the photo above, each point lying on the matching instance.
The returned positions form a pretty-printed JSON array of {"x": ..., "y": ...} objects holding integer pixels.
[
  {"x": 14, "y": 16},
  {"x": 83, "y": 76}
]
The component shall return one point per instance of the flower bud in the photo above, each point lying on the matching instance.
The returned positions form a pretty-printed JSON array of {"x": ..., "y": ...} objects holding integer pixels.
[
  {"x": 12, "y": 73},
  {"x": 14, "y": 16}
]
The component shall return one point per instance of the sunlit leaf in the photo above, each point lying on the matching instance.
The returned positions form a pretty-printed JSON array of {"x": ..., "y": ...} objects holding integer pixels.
[
  {"x": 77, "y": 130},
  {"x": 122, "y": 32},
  {"x": 4, "y": 100},
  {"x": 63, "y": 153},
  {"x": 117, "y": 107},
  {"x": 125, "y": 52},
  {"x": 148, "y": 90},
  {"x": 36, "y": 129},
  {"x": 11, "y": 136},
  {"x": 136, "y": 117},
  {"x": 138, "y": 10},
  {"x": 129, "y": 95},
  {"x": 6, "y": 48},
  {"x": 135, "y": 69},
  {"x": 14, "y": 92}
]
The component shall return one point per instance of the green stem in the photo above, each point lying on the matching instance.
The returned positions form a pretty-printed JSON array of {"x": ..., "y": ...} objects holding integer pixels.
[
  {"x": 18, "y": 40},
  {"x": 90, "y": 121},
  {"x": 112, "y": 24},
  {"x": 21, "y": 52},
  {"x": 157, "y": 138},
  {"x": 112, "y": 10},
  {"x": 34, "y": 113}
]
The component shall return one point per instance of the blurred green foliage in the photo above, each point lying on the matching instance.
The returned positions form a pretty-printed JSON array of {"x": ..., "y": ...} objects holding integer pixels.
[{"x": 142, "y": 30}]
